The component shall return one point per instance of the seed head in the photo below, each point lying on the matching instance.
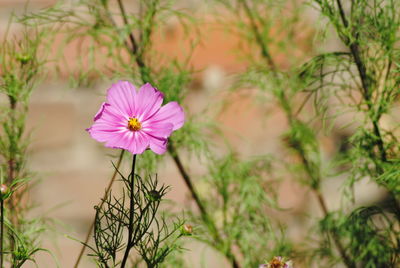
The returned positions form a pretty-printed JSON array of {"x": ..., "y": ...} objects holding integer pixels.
[{"x": 187, "y": 230}]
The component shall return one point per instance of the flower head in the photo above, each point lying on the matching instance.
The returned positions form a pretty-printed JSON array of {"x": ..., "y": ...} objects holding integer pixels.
[
  {"x": 187, "y": 230},
  {"x": 4, "y": 192},
  {"x": 277, "y": 262},
  {"x": 135, "y": 120}
]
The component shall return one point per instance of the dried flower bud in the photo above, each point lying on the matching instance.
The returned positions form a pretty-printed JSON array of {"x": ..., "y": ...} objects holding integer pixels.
[
  {"x": 154, "y": 195},
  {"x": 4, "y": 191},
  {"x": 187, "y": 229}
]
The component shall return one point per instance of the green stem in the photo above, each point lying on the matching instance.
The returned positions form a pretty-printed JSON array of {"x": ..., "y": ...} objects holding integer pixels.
[
  {"x": 292, "y": 120},
  {"x": 257, "y": 35},
  {"x": 84, "y": 244},
  {"x": 366, "y": 93},
  {"x": 12, "y": 163},
  {"x": 365, "y": 81},
  {"x": 346, "y": 259},
  {"x": 145, "y": 76},
  {"x": 2, "y": 231},
  {"x": 203, "y": 212},
  {"x": 131, "y": 213}
]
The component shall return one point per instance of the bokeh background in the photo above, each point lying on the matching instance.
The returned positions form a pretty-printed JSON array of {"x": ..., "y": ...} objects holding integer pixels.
[{"x": 74, "y": 170}]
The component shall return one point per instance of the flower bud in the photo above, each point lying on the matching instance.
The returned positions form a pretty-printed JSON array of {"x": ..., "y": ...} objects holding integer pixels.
[
  {"x": 4, "y": 192},
  {"x": 20, "y": 253},
  {"x": 277, "y": 262},
  {"x": 187, "y": 230},
  {"x": 154, "y": 195},
  {"x": 23, "y": 58}
]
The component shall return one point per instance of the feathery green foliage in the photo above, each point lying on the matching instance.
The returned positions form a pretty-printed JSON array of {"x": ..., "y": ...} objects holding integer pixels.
[
  {"x": 236, "y": 199},
  {"x": 21, "y": 59}
]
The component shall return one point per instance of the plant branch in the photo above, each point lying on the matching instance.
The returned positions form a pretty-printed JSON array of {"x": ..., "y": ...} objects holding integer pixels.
[
  {"x": 346, "y": 259},
  {"x": 134, "y": 47},
  {"x": 172, "y": 151},
  {"x": 257, "y": 35},
  {"x": 365, "y": 82},
  {"x": 108, "y": 189},
  {"x": 13, "y": 201},
  {"x": 131, "y": 213},
  {"x": 2, "y": 231},
  {"x": 203, "y": 212},
  {"x": 188, "y": 181},
  {"x": 126, "y": 22},
  {"x": 292, "y": 120},
  {"x": 366, "y": 93}
]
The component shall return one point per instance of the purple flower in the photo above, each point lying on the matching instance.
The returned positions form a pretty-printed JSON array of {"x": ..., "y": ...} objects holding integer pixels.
[{"x": 134, "y": 120}]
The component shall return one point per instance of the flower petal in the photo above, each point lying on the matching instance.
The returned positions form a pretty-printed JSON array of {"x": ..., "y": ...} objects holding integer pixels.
[
  {"x": 101, "y": 110},
  {"x": 139, "y": 142},
  {"x": 122, "y": 97},
  {"x": 148, "y": 101},
  {"x": 118, "y": 140},
  {"x": 103, "y": 132},
  {"x": 158, "y": 145},
  {"x": 172, "y": 113},
  {"x": 107, "y": 124},
  {"x": 111, "y": 116},
  {"x": 157, "y": 129}
]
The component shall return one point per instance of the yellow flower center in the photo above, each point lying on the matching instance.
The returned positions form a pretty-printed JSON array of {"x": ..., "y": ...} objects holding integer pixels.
[{"x": 134, "y": 124}]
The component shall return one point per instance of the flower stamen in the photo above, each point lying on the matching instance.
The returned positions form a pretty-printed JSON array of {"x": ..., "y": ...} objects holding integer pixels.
[{"x": 134, "y": 124}]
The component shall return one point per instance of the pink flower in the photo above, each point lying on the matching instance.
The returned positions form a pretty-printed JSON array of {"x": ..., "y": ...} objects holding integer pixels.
[
  {"x": 277, "y": 262},
  {"x": 134, "y": 120}
]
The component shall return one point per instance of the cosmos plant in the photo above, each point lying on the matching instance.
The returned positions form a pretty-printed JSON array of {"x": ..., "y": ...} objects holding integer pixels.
[
  {"x": 233, "y": 213},
  {"x": 134, "y": 121}
]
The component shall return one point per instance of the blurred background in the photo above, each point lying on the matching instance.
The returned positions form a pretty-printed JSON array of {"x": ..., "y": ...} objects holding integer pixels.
[{"x": 74, "y": 169}]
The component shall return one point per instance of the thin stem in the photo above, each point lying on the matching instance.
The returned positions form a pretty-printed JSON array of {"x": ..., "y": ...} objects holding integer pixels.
[
  {"x": 264, "y": 49},
  {"x": 11, "y": 160},
  {"x": 125, "y": 18},
  {"x": 321, "y": 201},
  {"x": 131, "y": 213},
  {"x": 365, "y": 82},
  {"x": 108, "y": 189},
  {"x": 292, "y": 120},
  {"x": 366, "y": 93},
  {"x": 2, "y": 231},
  {"x": 346, "y": 259},
  {"x": 13, "y": 201},
  {"x": 172, "y": 151},
  {"x": 203, "y": 212},
  {"x": 134, "y": 46}
]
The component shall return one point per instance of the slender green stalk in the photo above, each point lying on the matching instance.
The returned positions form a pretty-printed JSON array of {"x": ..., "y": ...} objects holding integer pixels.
[
  {"x": 108, "y": 189},
  {"x": 264, "y": 49},
  {"x": 131, "y": 214},
  {"x": 366, "y": 94},
  {"x": 172, "y": 151},
  {"x": 1, "y": 231},
  {"x": 365, "y": 82},
  {"x": 206, "y": 218},
  {"x": 342, "y": 252},
  {"x": 292, "y": 120},
  {"x": 12, "y": 203}
]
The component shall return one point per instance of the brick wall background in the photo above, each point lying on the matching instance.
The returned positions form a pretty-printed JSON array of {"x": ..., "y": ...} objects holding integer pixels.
[{"x": 75, "y": 169}]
